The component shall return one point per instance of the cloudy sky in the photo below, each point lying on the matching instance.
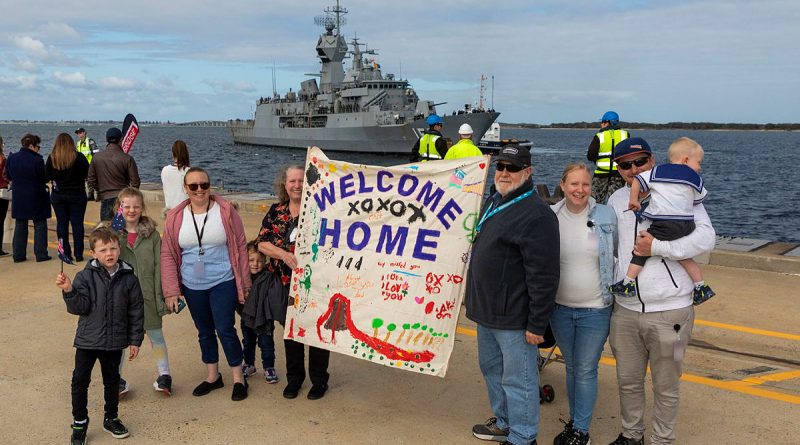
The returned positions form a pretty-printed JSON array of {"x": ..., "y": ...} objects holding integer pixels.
[{"x": 552, "y": 61}]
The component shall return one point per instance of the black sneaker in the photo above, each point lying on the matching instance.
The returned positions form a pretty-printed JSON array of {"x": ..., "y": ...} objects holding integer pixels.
[
  {"x": 124, "y": 388},
  {"x": 79, "y": 433},
  {"x": 490, "y": 431},
  {"x": 205, "y": 387},
  {"x": 163, "y": 384},
  {"x": 577, "y": 438},
  {"x": 3, "y": 253},
  {"x": 622, "y": 440},
  {"x": 562, "y": 436},
  {"x": 115, "y": 428},
  {"x": 239, "y": 391},
  {"x": 702, "y": 293}
]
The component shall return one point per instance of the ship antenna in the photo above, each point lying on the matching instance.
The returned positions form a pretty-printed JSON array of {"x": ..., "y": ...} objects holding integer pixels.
[{"x": 332, "y": 19}]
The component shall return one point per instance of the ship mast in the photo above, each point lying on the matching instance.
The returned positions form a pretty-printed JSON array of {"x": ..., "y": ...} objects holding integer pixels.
[{"x": 331, "y": 48}]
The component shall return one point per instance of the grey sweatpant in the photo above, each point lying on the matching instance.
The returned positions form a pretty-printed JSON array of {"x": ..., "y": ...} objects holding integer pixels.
[{"x": 638, "y": 339}]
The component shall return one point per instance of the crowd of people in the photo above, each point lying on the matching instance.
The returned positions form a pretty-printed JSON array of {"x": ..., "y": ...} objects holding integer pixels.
[{"x": 579, "y": 269}]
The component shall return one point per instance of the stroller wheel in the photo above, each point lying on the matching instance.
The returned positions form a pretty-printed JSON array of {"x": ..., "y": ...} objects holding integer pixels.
[{"x": 548, "y": 394}]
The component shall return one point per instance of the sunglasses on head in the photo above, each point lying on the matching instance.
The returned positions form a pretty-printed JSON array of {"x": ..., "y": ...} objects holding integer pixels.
[
  {"x": 202, "y": 185},
  {"x": 626, "y": 165},
  {"x": 510, "y": 167}
]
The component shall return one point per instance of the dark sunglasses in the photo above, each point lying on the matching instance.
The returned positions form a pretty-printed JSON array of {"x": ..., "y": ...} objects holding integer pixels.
[
  {"x": 626, "y": 165},
  {"x": 511, "y": 168},
  {"x": 202, "y": 185}
]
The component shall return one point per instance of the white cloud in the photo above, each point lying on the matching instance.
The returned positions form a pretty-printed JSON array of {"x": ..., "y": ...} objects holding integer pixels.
[
  {"x": 32, "y": 46},
  {"x": 23, "y": 64},
  {"x": 113, "y": 83},
  {"x": 19, "y": 82},
  {"x": 58, "y": 30},
  {"x": 76, "y": 79},
  {"x": 225, "y": 86}
]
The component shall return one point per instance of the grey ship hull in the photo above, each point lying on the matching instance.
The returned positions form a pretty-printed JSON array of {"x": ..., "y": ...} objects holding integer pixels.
[{"x": 364, "y": 139}]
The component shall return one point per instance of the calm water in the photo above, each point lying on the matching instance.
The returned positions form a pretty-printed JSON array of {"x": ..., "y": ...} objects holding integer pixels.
[{"x": 751, "y": 176}]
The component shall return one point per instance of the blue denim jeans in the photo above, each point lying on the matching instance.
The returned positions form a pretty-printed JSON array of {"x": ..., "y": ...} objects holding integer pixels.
[
  {"x": 581, "y": 334},
  {"x": 265, "y": 342},
  {"x": 70, "y": 208},
  {"x": 107, "y": 209},
  {"x": 509, "y": 367},
  {"x": 19, "y": 246},
  {"x": 213, "y": 314}
]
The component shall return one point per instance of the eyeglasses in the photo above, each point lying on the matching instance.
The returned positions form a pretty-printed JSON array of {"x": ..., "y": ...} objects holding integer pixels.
[
  {"x": 511, "y": 168},
  {"x": 202, "y": 185},
  {"x": 626, "y": 165}
]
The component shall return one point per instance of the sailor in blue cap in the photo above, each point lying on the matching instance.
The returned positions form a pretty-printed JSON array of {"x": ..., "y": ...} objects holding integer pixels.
[
  {"x": 431, "y": 146},
  {"x": 606, "y": 179}
]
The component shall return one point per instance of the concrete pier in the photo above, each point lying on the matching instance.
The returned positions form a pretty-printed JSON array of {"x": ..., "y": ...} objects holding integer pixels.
[{"x": 741, "y": 374}]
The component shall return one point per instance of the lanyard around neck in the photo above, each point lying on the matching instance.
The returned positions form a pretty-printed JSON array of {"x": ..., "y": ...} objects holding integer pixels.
[
  {"x": 200, "y": 232},
  {"x": 491, "y": 211}
]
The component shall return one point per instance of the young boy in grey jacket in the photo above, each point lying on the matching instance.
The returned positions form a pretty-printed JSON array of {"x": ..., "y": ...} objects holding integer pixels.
[{"x": 108, "y": 300}]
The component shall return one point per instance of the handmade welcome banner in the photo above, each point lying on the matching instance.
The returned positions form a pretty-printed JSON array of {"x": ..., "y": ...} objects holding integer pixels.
[{"x": 382, "y": 256}]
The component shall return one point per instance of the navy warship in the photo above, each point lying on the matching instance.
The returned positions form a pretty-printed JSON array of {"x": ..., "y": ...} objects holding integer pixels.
[{"x": 359, "y": 110}]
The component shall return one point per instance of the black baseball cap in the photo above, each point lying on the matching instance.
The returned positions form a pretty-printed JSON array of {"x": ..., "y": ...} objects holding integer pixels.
[
  {"x": 516, "y": 155},
  {"x": 80, "y": 130}
]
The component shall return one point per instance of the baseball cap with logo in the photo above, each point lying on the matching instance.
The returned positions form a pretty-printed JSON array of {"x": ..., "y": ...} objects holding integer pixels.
[
  {"x": 514, "y": 154},
  {"x": 631, "y": 146}
]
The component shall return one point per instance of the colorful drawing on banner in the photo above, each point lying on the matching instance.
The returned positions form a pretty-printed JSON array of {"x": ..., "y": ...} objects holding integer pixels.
[{"x": 382, "y": 251}]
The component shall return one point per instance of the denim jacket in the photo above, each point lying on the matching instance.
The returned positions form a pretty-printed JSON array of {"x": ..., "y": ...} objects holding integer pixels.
[{"x": 603, "y": 223}]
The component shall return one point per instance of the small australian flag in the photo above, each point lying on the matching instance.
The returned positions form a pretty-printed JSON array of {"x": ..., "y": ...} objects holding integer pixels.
[
  {"x": 61, "y": 255},
  {"x": 118, "y": 223}
]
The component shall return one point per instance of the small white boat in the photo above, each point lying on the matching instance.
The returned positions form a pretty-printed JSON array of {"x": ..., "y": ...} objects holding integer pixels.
[{"x": 491, "y": 140}]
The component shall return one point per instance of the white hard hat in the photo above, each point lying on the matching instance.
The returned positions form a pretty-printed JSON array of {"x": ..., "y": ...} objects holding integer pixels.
[{"x": 465, "y": 129}]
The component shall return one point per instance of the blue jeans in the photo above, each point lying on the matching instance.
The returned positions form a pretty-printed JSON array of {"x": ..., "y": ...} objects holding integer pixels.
[
  {"x": 70, "y": 210},
  {"x": 213, "y": 314},
  {"x": 19, "y": 245},
  {"x": 581, "y": 334},
  {"x": 509, "y": 366},
  {"x": 107, "y": 209},
  {"x": 265, "y": 342}
]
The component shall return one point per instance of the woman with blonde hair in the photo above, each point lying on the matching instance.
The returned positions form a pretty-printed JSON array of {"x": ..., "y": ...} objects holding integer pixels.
[{"x": 67, "y": 169}]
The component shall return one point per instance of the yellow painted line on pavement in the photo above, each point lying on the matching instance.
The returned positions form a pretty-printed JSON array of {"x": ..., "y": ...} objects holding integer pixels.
[
  {"x": 733, "y": 327},
  {"x": 746, "y": 386},
  {"x": 776, "y": 377}
]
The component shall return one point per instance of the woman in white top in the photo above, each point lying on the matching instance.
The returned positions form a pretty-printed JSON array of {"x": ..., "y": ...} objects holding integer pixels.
[
  {"x": 582, "y": 315},
  {"x": 172, "y": 176}
]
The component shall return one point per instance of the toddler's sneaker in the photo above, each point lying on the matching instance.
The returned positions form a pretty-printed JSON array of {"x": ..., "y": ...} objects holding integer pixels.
[
  {"x": 163, "y": 384},
  {"x": 623, "y": 290},
  {"x": 702, "y": 293},
  {"x": 124, "y": 388},
  {"x": 79, "y": 433},
  {"x": 270, "y": 375},
  {"x": 115, "y": 428},
  {"x": 248, "y": 370}
]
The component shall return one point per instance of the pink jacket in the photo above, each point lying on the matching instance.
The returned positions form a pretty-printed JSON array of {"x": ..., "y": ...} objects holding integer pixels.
[{"x": 171, "y": 250}]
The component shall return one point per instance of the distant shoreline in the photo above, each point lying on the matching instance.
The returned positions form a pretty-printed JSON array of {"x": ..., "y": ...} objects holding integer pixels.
[
  {"x": 667, "y": 126},
  {"x": 516, "y": 126}
]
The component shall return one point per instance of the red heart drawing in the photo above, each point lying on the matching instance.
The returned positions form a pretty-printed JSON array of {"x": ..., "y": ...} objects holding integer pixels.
[
  {"x": 419, "y": 300},
  {"x": 482, "y": 165},
  {"x": 429, "y": 307}
]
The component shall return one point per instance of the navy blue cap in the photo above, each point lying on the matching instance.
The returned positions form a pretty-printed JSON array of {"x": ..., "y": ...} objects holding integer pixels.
[{"x": 630, "y": 146}]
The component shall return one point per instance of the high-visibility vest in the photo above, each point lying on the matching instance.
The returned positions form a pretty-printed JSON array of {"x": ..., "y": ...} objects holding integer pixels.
[
  {"x": 608, "y": 139},
  {"x": 427, "y": 147},
  {"x": 85, "y": 149},
  {"x": 465, "y": 148}
]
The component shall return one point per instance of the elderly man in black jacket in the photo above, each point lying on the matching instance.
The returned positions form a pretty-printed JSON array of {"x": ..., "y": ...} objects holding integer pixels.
[{"x": 511, "y": 289}]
